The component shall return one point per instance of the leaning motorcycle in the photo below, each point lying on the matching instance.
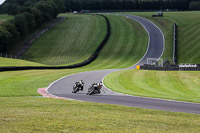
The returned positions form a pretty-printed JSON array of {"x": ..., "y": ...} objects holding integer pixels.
[
  {"x": 75, "y": 89},
  {"x": 94, "y": 89}
]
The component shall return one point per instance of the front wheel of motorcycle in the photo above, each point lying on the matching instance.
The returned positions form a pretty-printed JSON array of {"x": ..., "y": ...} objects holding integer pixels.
[
  {"x": 75, "y": 90},
  {"x": 90, "y": 91}
]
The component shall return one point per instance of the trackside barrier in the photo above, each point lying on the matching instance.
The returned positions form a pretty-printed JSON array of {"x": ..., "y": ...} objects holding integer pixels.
[
  {"x": 172, "y": 67},
  {"x": 175, "y": 54},
  {"x": 84, "y": 63},
  {"x": 138, "y": 67}
]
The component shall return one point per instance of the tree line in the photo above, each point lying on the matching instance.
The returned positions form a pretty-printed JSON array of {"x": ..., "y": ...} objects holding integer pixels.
[
  {"x": 130, "y": 4},
  {"x": 28, "y": 15},
  {"x": 31, "y": 14}
]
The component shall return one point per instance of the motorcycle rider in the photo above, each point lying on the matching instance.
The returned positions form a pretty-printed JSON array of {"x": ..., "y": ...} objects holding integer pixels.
[
  {"x": 98, "y": 86},
  {"x": 80, "y": 84}
]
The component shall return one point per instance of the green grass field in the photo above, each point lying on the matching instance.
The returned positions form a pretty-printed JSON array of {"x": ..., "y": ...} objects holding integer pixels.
[
  {"x": 181, "y": 86},
  {"x": 29, "y": 114},
  {"x": 71, "y": 41},
  {"x": 26, "y": 83},
  {"x": 21, "y": 111},
  {"x": 188, "y": 34}
]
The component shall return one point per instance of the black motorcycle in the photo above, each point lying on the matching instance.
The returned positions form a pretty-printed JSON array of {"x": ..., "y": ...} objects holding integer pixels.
[
  {"x": 77, "y": 87},
  {"x": 94, "y": 89}
]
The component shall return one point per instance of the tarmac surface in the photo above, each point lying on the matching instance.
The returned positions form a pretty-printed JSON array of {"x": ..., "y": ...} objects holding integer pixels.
[{"x": 63, "y": 87}]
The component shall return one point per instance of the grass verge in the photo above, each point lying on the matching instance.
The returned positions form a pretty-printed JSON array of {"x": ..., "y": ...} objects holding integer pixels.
[
  {"x": 26, "y": 83},
  {"x": 26, "y": 114},
  {"x": 173, "y": 85}
]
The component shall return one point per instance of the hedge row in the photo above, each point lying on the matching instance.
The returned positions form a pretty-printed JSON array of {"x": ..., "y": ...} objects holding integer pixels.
[
  {"x": 86, "y": 62},
  {"x": 17, "y": 6},
  {"x": 175, "y": 47},
  {"x": 131, "y": 4}
]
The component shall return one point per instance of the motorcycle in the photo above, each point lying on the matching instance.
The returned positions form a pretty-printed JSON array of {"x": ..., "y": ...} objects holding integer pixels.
[
  {"x": 94, "y": 89},
  {"x": 77, "y": 87}
]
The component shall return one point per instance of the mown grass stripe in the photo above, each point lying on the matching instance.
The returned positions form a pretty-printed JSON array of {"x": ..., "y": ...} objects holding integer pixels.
[
  {"x": 164, "y": 83},
  {"x": 188, "y": 80},
  {"x": 69, "y": 39},
  {"x": 153, "y": 86},
  {"x": 181, "y": 86},
  {"x": 139, "y": 83}
]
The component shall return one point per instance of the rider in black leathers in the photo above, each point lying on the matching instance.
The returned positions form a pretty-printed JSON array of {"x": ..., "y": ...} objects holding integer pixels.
[
  {"x": 79, "y": 84},
  {"x": 97, "y": 88}
]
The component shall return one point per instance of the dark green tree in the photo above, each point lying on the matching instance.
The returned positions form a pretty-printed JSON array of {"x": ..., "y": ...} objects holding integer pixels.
[
  {"x": 5, "y": 38},
  {"x": 10, "y": 27},
  {"x": 21, "y": 24}
]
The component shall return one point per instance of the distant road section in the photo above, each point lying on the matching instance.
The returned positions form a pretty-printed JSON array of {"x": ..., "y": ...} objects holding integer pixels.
[
  {"x": 156, "y": 39},
  {"x": 63, "y": 87}
]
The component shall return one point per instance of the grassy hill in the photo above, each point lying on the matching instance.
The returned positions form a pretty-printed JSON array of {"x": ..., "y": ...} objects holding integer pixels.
[
  {"x": 71, "y": 41},
  {"x": 127, "y": 43},
  {"x": 126, "y": 46},
  {"x": 188, "y": 34}
]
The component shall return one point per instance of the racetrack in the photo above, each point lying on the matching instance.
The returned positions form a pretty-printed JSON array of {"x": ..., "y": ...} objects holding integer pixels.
[{"x": 63, "y": 87}]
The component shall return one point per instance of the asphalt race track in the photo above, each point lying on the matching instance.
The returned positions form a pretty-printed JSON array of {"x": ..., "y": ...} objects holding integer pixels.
[{"x": 63, "y": 87}]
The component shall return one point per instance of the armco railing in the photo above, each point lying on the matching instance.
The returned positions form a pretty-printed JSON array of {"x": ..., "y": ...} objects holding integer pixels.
[
  {"x": 175, "y": 52},
  {"x": 172, "y": 67}
]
